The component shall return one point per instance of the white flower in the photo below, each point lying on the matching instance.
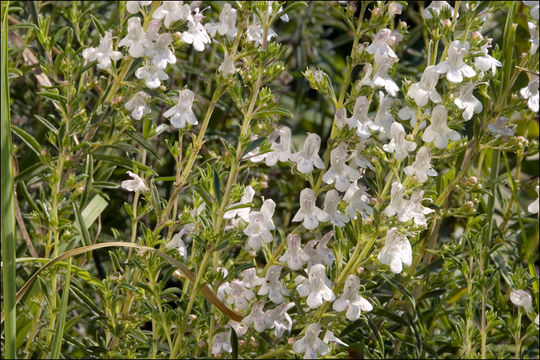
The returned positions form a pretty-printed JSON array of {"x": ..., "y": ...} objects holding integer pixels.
[
  {"x": 351, "y": 300},
  {"x": 396, "y": 251},
  {"x": 398, "y": 145},
  {"x": 394, "y": 9},
  {"x": 135, "y": 38},
  {"x": 331, "y": 201},
  {"x": 226, "y": 25},
  {"x": 309, "y": 213},
  {"x": 340, "y": 173},
  {"x": 236, "y": 294},
  {"x": 398, "y": 204},
  {"x": 537, "y": 320},
  {"x": 182, "y": 112},
  {"x": 310, "y": 345},
  {"x": 177, "y": 243},
  {"x": 531, "y": 92},
  {"x": 421, "y": 167},
  {"x": 358, "y": 200},
  {"x": 254, "y": 32},
  {"x": 381, "y": 77},
  {"x": 534, "y": 8},
  {"x": 438, "y": 132},
  {"x": 152, "y": 75},
  {"x": 316, "y": 287},
  {"x": 466, "y": 101},
  {"x": 196, "y": 34},
  {"x": 436, "y": 6},
  {"x": 294, "y": 256},
  {"x": 359, "y": 159},
  {"x": 250, "y": 278},
  {"x": 239, "y": 328},
  {"x": 152, "y": 33},
  {"x": 242, "y": 213},
  {"x": 340, "y": 118},
  {"x": 383, "y": 119},
  {"x": 221, "y": 341},
  {"x": 137, "y": 105},
  {"x": 317, "y": 252},
  {"x": 424, "y": 90},
  {"x": 160, "y": 52},
  {"x": 366, "y": 79},
  {"x": 486, "y": 62},
  {"x": 416, "y": 210},
  {"x": 279, "y": 151},
  {"x": 360, "y": 119},
  {"x": 257, "y": 317},
  {"x": 227, "y": 66},
  {"x": 133, "y": 7},
  {"x": 330, "y": 337},
  {"x": 172, "y": 11},
  {"x": 260, "y": 224},
  {"x": 455, "y": 68},
  {"x": 534, "y": 40},
  {"x": 533, "y": 207},
  {"x": 309, "y": 156},
  {"x": 283, "y": 17},
  {"x": 273, "y": 286},
  {"x": 522, "y": 298},
  {"x": 407, "y": 113},
  {"x": 137, "y": 184},
  {"x": 278, "y": 319},
  {"x": 380, "y": 46},
  {"x": 499, "y": 127},
  {"x": 104, "y": 53}
]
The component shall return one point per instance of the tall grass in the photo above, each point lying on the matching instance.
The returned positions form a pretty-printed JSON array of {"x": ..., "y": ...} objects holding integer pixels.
[{"x": 8, "y": 205}]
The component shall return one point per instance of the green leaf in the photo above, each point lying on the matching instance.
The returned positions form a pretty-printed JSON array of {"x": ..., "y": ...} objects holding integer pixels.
[
  {"x": 59, "y": 333},
  {"x": 83, "y": 229},
  {"x": 27, "y": 139},
  {"x": 123, "y": 162},
  {"x": 94, "y": 208},
  {"x": 217, "y": 186},
  {"x": 253, "y": 145},
  {"x": 47, "y": 124},
  {"x": 98, "y": 25},
  {"x": 234, "y": 344}
]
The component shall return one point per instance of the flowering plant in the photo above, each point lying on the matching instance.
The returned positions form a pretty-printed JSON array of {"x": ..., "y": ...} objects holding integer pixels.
[{"x": 270, "y": 179}]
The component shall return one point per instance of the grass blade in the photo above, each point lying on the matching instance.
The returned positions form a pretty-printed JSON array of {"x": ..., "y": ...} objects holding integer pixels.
[
  {"x": 8, "y": 205},
  {"x": 59, "y": 334}
]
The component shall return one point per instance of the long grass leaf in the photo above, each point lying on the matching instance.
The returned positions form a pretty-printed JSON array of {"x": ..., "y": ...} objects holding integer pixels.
[{"x": 59, "y": 334}]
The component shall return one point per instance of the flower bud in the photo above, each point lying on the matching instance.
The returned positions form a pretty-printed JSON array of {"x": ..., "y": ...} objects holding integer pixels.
[
  {"x": 476, "y": 36},
  {"x": 360, "y": 270},
  {"x": 291, "y": 340},
  {"x": 376, "y": 12},
  {"x": 469, "y": 204},
  {"x": 177, "y": 35},
  {"x": 403, "y": 25},
  {"x": 409, "y": 137},
  {"x": 368, "y": 221},
  {"x": 192, "y": 317},
  {"x": 252, "y": 253},
  {"x": 447, "y": 24},
  {"x": 254, "y": 342},
  {"x": 201, "y": 344},
  {"x": 241, "y": 343},
  {"x": 80, "y": 189},
  {"x": 523, "y": 55},
  {"x": 394, "y": 9},
  {"x": 43, "y": 152},
  {"x": 472, "y": 180}
]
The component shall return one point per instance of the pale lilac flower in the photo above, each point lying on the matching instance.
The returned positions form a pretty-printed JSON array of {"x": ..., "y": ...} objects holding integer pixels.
[
  {"x": 310, "y": 345},
  {"x": 398, "y": 145},
  {"x": 273, "y": 286},
  {"x": 317, "y": 251},
  {"x": 279, "y": 151},
  {"x": 161, "y": 53},
  {"x": 316, "y": 287},
  {"x": 172, "y": 11},
  {"x": 530, "y": 92},
  {"x": 278, "y": 319},
  {"x": 227, "y": 66},
  {"x": 366, "y": 79},
  {"x": 486, "y": 62},
  {"x": 415, "y": 210},
  {"x": 340, "y": 118},
  {"x": 309, "y": 156},
  {"x": 534, "y": 8},
  {"x": 104, "y": 53},
  {"x": 177, "y": 243},
  {"x": 381, "y": 77},
  {"x": 436, "y": 6},
  {"x": 135, "y": 38},
  {"x": 137, "y": 105},
  {"x": 309, "y": 213},
  {"x": 294, "y": 256},
  {"x": 330, "y": 337},
  {"x": 250, "y": 278},
  {"x": 534, "y": 40},
  {"x": 398, "y": 204},
  {"x": 257, "y": 317},
  {"x": 235, "y": 293},
  {"x": 360, "y": 119},
  {"x": 340, "y": 173},
  {"x": 331, "y": 201},
  {"x": 136, "y": 184},
  {"x": 380, "y": 46},
  {"x": 421, "y": 167},
  {"x": 182, "y": 112},
  {"x": 533, "y": 207},
  {"x": 351, "y": 300},
  {"x": 152, "y": 75},
  {"x": 383, "y": 119},
  {"x": 260, "y": 224},
  {"x": 254, "y": 32},
  {"x": 133, "y": 7},
  {"x": 283, "y": 17},
  {"x": 242, "y": 213},
  {"x": 359, "y": 159},
  {"x": 152, "y": 33},
  {"x": 499, "y": 127},
  {"x": 394, "y": 9},
  {"x": 221, "y": 341},
  {"x": 522, "y": 298},
  {"x": 226, "y": 25},
  {"x": 466, "y": 101},
  {"x": 396, "y": 252},
  {"x": 455, "y": 68},
  {"x": 424, "y": 90},
  {"x": 407, "y": 113},
  {"x": 239, "y": 328},
  {"x": 358, "y": 200},
  {"x": 196, "y": 35},
  {"x": 438, "y": 132}
]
